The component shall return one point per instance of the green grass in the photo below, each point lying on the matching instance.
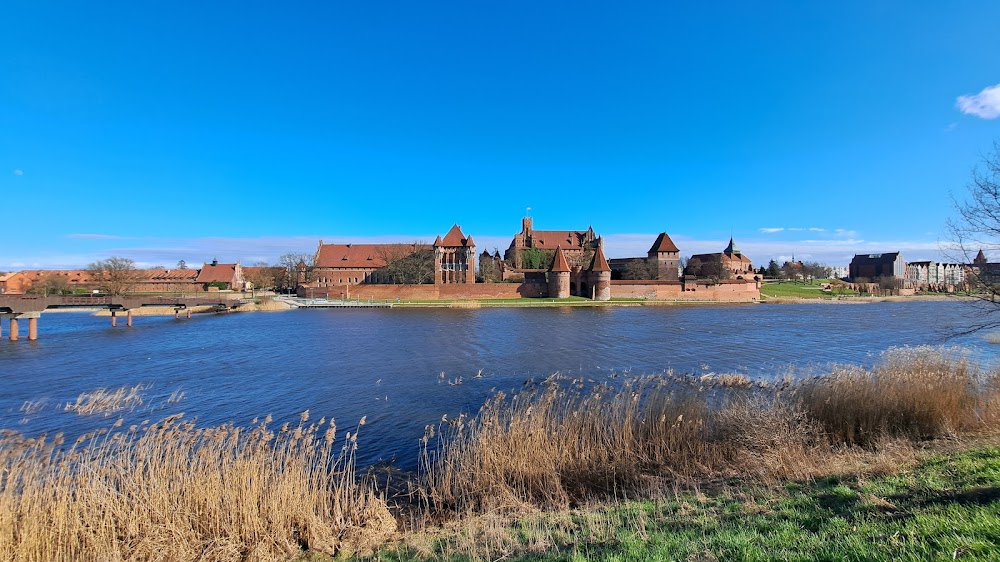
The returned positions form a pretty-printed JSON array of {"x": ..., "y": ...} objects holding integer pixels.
[
  {"x": 947, "y": 507},
  {"x": 790, "y": 289}
]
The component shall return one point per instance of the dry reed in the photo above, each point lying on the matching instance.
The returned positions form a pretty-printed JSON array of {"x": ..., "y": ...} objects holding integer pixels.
[
  {"x": 554, "y": 446},
  {"x": 107, "y": 402},
  {"x": 914, "y": 393},
  {"x": 171, "y": 491}
]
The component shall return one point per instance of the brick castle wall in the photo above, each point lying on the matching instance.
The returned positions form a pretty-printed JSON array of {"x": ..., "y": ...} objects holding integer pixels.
[{"x": 729, "y": 291}]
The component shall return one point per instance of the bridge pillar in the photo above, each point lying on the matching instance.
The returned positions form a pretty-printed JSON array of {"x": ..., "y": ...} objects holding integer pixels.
[
  {"x": 177, "y": 313},
  {"x": 114, "y": 319},
  {"x": 14, "y": 333},
  {"x": 32, "y": 328},
  {"x": 188, "y": 312},
  {"x": 128, "y": 318}
]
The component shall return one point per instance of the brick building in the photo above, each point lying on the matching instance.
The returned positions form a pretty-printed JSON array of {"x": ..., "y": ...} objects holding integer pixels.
[
  {"x": 730, "y": 261},
  {"x": 454, "y": 258},
  {"x": 577, "y": 246}
]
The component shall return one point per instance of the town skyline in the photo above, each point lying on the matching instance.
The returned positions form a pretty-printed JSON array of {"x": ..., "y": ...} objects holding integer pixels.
[{"x": 243, "y": 132}]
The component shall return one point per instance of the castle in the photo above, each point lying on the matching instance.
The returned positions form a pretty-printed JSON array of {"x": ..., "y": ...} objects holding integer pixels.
[{"x": 538, "y": 263}]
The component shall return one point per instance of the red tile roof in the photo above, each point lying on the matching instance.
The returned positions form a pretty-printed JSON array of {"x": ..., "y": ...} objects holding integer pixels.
[
  {"x": 217, "y": 272},
  {"x": 599, "y": 263},
  {"x": 178, "y": 275},
  {"x": 663, "y": 243},
  {"x": 363, "y": 256},
  {"x": 559, "y": 263},
  {"x": 454, "y": 238},
  {"x": 551, "y": 239}
]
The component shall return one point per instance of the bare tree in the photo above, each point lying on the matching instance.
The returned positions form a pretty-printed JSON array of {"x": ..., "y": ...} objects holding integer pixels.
[
  {"x": 407, "y": 263},
  {"x": 976, "y": 228},
  {"x": 264, "y": 277},
  {"x": 640, "y": 269},
  {"x": 116, "y": 275},
  {"x": 297, "y": 267}
]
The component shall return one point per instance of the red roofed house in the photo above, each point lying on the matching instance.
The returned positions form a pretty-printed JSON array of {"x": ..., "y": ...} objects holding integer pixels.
[
  {"x": 352, "y": 264},
  {"x": 21, "y": 282},
  {"x": 217, "y": 276},
  {"x": 168, "y": 281}
]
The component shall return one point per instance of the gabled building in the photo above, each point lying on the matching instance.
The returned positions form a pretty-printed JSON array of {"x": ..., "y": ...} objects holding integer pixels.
[
  {"x": 352, "y": 264},
  {"x": 221, "y": 276},
  {"x": 729, "y": 261},
  {"x": 576, "y": 245},
  {"x": 454, "y": 258}
]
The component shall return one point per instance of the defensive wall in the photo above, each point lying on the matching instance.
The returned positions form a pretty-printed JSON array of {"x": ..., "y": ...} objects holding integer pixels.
[{"x": 727, "y": 291}]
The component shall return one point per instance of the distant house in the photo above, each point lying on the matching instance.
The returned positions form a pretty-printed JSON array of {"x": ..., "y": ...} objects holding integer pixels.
[
  {"x": 221, "y": 276},
  {"x": 168, "y": 281},
  {"x": 873, "y": 266},
  {"x": 20, "y": 282}
]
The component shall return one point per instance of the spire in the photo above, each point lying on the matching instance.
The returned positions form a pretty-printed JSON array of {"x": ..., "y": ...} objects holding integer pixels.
[
  {"x": 437, "y": 241},
  {"x": 731, "y": 248},
  {"x": 980, "y": 257},
  {"x": 559, "y": 263},
  {"x": 600, "y": 263}
]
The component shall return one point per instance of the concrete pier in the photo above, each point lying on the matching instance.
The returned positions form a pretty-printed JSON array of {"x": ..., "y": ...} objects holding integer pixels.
[
  {"x": 32, "y": 328},
  {"x": 14, "y": 332}
]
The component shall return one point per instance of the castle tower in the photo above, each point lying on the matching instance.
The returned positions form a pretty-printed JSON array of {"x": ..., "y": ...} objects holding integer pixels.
[
  {"x": 454, "y": 258},
  {"x": 559, "y": 276},
  {"x": 600, "y": 276},
  {"x": 980, "y": 258},
  {"x": 665, "y": 254}
]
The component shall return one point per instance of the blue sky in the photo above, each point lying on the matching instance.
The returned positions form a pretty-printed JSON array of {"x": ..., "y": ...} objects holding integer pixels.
[{"x": 245, "y": 130}]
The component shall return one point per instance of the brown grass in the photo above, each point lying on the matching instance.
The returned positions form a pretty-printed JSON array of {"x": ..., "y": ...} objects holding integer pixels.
[
  {"x": 171, "y": 491},
  {"x": 555, "y": 447},
  {"x": 915, "y": 393}
]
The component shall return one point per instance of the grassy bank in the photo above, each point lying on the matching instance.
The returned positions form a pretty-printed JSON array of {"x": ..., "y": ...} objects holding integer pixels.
[{"x": 946, "y": 506}]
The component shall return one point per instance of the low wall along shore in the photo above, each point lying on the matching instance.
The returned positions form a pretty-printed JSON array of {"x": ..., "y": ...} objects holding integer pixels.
[{"x": 728, "y": 291}]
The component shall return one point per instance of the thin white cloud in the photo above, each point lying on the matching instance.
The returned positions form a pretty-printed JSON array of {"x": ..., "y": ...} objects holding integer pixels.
[
  {"x": 770, "y": 230},
  {"x": 814, "y": 229},
  {"x": 18, "y": 172},
  {"x": 985, "y": 104}
]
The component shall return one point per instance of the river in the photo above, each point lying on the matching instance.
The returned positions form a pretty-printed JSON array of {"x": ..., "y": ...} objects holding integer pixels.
[{"x": 405, "y": 368}]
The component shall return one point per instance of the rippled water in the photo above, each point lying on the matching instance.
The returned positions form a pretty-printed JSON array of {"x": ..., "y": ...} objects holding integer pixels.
[{"x": 388, "y": 364}]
